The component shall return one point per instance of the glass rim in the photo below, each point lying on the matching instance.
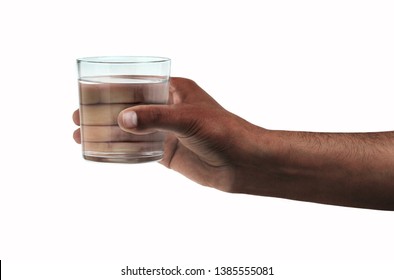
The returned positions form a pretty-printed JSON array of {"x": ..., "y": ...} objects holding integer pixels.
[{"x": 123, "y": 59}]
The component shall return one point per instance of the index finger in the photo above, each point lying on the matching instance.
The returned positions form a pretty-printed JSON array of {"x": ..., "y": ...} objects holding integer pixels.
[{"x": 76, "y": 117}]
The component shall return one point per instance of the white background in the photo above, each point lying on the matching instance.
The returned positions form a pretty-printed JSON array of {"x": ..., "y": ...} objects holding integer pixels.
[{"x": 292, "y": 65}]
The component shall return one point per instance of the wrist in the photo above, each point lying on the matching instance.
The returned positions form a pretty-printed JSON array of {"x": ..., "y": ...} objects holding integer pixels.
[{"x": 257, "y": 163}]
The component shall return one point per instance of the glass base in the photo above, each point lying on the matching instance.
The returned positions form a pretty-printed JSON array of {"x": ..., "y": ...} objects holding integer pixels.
[{"x": 123, "y": 158}]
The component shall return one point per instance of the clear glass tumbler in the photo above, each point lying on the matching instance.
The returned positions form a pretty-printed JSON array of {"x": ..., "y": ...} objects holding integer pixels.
[{"x": 110, "y": 84}]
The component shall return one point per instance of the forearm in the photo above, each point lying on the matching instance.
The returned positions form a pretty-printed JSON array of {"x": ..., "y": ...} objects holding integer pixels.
[{"x": 334, "y": 168}]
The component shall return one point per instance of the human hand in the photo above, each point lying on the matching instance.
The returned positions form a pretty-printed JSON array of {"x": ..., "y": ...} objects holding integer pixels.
[{"x": 205, "y": 142}]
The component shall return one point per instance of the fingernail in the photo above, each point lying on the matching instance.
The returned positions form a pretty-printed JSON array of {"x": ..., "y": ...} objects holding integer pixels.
[{"x": 129, "y": 119}]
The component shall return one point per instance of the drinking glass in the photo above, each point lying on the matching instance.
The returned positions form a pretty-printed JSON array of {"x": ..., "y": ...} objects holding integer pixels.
[{"x": 110, "y": 84}]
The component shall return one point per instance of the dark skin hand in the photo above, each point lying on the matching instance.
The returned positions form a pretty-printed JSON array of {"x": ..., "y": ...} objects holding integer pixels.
[{"x": 216, "y": 148}]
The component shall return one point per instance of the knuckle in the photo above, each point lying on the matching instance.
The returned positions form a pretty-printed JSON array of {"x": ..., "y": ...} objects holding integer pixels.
[{"x": 154, "y": 117}]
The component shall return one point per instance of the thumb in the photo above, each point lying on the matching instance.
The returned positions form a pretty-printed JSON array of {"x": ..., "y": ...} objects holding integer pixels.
[{"x": 143, "y": 119}]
